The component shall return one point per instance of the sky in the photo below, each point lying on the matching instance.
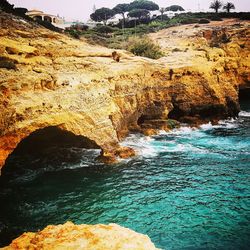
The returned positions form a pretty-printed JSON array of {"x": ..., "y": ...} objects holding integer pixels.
[{"x": 81, "y": 9}]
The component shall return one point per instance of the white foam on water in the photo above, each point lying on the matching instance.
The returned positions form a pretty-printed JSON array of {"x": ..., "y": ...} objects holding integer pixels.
[
  {"x": 169, "y": 140},
  {"x": 207, "y": 126},
  {"x": 141, "y": 144},
  {"x": 244, "y": 114},
  {"x": 179, "y": 131},
  {"x": 229, "y": 124},
  {"x": 183, "y": 130},
  {"x": 150, "y": 147}
]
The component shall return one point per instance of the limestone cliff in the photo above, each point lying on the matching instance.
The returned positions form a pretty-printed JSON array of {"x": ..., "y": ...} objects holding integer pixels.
[
  {"x": 69, "y": 236},
  {"x": 51, "y": 80}
]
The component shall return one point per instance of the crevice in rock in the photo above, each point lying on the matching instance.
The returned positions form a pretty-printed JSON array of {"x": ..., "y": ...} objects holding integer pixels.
[
  {"x": 141, "y": 120},
  {"x": 176, "y": 113}
]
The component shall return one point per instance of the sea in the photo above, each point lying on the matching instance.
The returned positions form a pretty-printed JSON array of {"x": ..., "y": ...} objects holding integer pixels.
[{"x": 187, "y": 189}]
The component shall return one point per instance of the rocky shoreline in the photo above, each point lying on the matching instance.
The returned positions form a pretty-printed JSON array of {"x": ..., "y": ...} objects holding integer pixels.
[
  {"x": 78, "y": 88},
  {"x": 70, "y": 236}
]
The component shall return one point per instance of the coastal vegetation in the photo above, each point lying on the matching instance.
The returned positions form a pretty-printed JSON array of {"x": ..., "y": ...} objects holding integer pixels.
[
  {"x": 174, "y": 8},
  {"x": 137, "y": 21},
  {"x": 217, "y": 4},
  {"x": 102, "y": 15},
  {"x": 229, "y": 6},
  {"x": 143, "y": 46}
]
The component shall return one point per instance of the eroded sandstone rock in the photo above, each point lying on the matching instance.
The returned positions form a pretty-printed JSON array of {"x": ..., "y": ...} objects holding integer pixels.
[
  {"x": 69, "y": 84},
  {"x": 88, "y": 237}
]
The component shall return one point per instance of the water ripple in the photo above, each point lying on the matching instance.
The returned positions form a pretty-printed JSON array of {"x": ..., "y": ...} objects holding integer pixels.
[{"x": 187, "y": 188}]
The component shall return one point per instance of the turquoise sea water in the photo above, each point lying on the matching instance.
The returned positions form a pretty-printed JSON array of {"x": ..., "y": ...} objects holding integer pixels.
[{"x": 186, "y": 189}]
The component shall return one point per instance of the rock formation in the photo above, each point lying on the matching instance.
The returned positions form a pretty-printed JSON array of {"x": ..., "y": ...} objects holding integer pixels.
[
  {"x": 50, "y": 80},
  {"x": 69, "y": 236}
]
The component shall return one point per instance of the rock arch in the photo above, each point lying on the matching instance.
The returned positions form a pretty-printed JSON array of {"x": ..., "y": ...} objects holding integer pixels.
[
  {"x": 40, "y": 137},
  {"x": 48, "y": 141},
  {"x": 54, "y": 136}
]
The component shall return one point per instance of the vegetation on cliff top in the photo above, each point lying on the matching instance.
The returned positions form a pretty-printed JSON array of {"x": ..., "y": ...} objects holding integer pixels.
[
  {"x": 143, "y": 46},
  {"x": 136, "y": 22}
]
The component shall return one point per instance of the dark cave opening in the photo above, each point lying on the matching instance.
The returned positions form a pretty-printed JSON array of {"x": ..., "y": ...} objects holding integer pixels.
[
  {"x": 141, "y": 120},
  {"x": 244, "y": 98},
  {"x": 176, "y": 113},
  {"x": 46, "y": 147}
]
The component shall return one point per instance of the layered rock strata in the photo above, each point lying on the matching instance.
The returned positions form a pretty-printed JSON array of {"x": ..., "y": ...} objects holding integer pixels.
[
  {"x": 89, "y": 237},
  {"x": 50, "y": 80}
]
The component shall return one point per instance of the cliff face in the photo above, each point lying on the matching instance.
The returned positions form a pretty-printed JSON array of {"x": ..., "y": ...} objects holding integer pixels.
[
  {"x": 56, "y": 81},
  {"x": 69, "y": 236}
]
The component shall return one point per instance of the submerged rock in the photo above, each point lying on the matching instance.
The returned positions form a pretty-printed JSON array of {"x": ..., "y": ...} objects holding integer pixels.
[{"x": 88, "y": 237}]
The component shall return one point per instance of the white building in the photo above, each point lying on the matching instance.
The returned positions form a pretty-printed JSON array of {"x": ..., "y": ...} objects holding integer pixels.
[{"x": 40, "y": 15}]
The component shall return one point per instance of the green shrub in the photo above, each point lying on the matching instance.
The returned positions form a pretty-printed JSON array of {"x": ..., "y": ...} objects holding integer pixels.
[
  {"x": 163, "y": 18},
  {"x": 216, "y": 18},
  {"x": 189, "y": 21},
  {"x": 74, "y": 33},
  {"x": 105, "y": 29},
  {"x": 155, "y": 24},
  {"x": 245, "y": 16},
  {"x": 143, "y": 46},
  {"x": 158, "y": 25},
  {"x": 94, "y": 38},
  {"x": 79, "y": 27},
  {"x": 203, "y": 21}
]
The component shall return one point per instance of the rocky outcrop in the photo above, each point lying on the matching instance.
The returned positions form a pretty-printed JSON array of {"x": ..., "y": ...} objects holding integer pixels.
[
  {"x": 60, "y": 82},
  {"x": 89, "y": 237}
]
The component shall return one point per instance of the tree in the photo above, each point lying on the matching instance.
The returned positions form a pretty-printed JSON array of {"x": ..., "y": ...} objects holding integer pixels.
[
  {"x": 229, "y": 6},
  {"x": 121, "y": 9},
  {"x": 174, "y": 8},
  {"x": 143, "y": 4},
  {"x": 102, "y": 15},
  {"x": 162, "y": 10},
  {"x": 216, "y": 5},
  {"x": 139, "y": 13}
]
